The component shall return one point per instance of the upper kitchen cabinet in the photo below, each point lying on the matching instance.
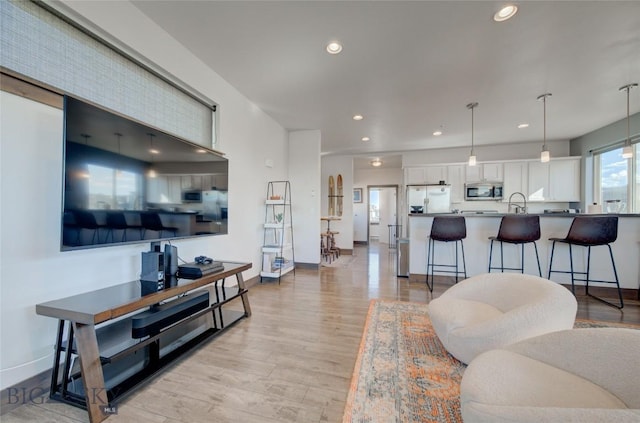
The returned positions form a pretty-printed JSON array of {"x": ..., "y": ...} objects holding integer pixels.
[
  {"x": 425, "y": 175},
  {"x": 557, "y": 180},
  {"x": 435, "y": 174},
  {"x": 516, "y": 175},
  {"x": 455, "y": 178},
  {"x": 564, "y": 180},
  {"x": 414, "y": 175},
  {"x": 492, "y": 172}
]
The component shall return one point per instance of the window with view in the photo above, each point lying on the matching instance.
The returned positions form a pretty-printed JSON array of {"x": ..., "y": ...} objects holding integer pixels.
[
  {"x": 617, "y": 181},
  {"x": 113, "y": 188}
]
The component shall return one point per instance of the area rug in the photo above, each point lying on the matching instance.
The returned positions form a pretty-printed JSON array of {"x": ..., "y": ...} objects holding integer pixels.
[{"x": 403, "y": 373}]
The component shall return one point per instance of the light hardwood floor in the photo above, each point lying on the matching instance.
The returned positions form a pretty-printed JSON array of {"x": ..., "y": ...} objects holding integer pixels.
[{"x": 291, "y": 361}]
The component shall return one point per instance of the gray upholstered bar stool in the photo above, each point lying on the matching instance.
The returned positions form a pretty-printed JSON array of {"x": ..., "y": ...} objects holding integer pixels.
[
  {"x": 516, "y": 229},
  {"x": 589, "y": 231},
  {"x": 446, "y": 229}
]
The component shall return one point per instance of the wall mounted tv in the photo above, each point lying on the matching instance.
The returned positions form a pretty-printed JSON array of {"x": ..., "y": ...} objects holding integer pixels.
[{"x": 126, "y": 182}]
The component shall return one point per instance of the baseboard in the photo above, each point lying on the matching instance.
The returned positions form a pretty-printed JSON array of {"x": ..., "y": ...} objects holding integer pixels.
[
  {"x": 31, "y": 391},
  {"x": 361, "y": 242},
  {"x": 308, "y": 266},
  {"x": 600, "y": 291}
]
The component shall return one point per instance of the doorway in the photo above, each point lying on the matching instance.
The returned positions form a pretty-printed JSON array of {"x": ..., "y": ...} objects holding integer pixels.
[{"x": 382, "y": 216}]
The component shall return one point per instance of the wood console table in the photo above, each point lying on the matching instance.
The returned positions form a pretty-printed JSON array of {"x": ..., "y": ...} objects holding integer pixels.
[{"x": 98, "y": 336}]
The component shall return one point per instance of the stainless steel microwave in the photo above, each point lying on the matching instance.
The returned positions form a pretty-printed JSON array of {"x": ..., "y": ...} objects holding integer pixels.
[
  {"x": 483, "y": 191},
  {"x": 192, "y": 196}
]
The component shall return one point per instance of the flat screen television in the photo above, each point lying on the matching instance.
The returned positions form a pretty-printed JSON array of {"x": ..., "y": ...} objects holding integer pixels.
[{"x": 126, "y": 182}]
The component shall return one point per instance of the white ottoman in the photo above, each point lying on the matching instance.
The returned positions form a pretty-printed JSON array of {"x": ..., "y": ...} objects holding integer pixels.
[
  {"x": 578, "y": 375},
  {"x": 496, "y": 309}
]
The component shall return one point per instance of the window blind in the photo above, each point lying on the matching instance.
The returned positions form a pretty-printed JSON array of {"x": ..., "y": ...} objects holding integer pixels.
[{"x": 40, "y": 45}]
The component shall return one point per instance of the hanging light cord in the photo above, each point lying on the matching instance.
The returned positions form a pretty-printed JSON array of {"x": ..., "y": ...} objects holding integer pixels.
[
  {"x": 472, "y": 106},
  {"x": 543, "y": 97},
  {"x": 544, "y": 122},
  {"x": 628, "y": 89}
]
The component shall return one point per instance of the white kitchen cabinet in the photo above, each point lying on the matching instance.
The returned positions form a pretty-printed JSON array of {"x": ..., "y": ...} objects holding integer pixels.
[
  {"x": 515, "y": 178},
  {"x": 220, "y": 181},
  {"x": 538, "y": 186},
  {"x": 564, "y": 180},
  {"x": 557, "y": 180},
  {"x": 414, "y": 175},
  {"x": 473, "y": 174},
  {"x": 435, "y": 174},
  {"x": 455, "y": 178},
  {"x": 491, "y": 172},
  {"x": 425, "y": 175},
  {"x": 174, "y": 189}
]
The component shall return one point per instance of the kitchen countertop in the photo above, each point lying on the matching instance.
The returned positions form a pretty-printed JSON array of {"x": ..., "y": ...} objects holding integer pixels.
[{"x": 494, "y": 214}]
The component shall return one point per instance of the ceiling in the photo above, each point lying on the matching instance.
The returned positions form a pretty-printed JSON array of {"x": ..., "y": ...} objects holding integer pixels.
[{"x": 411, "y": 68}]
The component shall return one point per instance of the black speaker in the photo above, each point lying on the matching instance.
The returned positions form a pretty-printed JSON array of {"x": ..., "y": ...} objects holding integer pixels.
[
  {"x": 152, "y": 266},
  {"x": 170, "y": 260}
]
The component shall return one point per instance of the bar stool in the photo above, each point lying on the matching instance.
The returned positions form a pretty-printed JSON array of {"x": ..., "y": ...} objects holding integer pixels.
[
  {"x": 517, "y": 229},
  {"x": 117, "y": 221},
  {"x": 590, "y": 231},
  {"x": 86, "y": 220},
  {"x": 446, "y": 229},
  {"x": 151, "y": 222}
]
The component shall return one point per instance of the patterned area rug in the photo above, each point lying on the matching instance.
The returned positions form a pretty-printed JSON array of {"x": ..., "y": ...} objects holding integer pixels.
[{"x": 403, "y": 373}]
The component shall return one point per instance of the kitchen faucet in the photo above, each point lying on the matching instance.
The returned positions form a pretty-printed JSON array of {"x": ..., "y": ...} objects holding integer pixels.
[{"x": 519, "y": 209}]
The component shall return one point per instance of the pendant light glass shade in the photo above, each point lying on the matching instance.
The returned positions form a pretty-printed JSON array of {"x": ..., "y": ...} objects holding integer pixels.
[
  {"x": 472, "y": 154},
  {"x": 544, "y": 155},
  {"x": 627, "y": 150}
]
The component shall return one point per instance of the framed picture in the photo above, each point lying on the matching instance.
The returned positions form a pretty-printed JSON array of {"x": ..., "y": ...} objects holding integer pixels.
[{"x": 357, "y": 195}]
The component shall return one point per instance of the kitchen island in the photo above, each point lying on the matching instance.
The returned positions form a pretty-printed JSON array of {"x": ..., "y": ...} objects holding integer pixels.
[{"x": 626, "y": 249}]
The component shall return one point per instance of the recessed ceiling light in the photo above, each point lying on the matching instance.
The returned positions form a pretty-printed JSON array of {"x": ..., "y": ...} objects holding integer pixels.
[
  {"x": 376, "y": 162},
  {"x": 523, "y": 125},
  {"x": 437, "y": 133},
  {"x": 334, "y": 47},
  {"x": 507, "y": 12},
  {"x": 153, "y": 151},
  {"x": 365, "y": 138},
  {"x": 358, "y": 117}
]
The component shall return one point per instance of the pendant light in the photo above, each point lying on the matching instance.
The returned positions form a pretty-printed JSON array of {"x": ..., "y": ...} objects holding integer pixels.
[
  {"x": 472, "y": 155},
  {"x": 151, "y": 173},
  {"x": 544, "y": 155},
  {"x": 627, "y": 150}
]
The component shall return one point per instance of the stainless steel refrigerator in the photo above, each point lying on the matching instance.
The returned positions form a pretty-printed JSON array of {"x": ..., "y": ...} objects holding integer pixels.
[{"x": 214, "y": 208}]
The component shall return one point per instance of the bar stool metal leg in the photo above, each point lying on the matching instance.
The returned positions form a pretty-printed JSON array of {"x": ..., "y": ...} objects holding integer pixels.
[{"x": 615, "y": 274}]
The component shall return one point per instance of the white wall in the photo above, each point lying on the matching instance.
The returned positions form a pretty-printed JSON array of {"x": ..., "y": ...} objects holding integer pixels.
[
  {"x": 334, "y": 166},
  {"x": 33, "y": 269},
  {"x": 304, "y": 174},
  {"x": 520, "y": 151},
  {"x": 366, "y": 177}
]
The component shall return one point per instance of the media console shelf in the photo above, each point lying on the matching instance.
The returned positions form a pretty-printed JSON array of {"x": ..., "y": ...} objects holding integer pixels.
[{"x": 112, "y": 339}]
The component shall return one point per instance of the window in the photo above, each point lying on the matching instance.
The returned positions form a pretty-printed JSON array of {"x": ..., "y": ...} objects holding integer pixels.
[
  {"x": 617, "y": 181},
  {"x": 374, "y": 206},
  {"x": 114, "y": 189}
]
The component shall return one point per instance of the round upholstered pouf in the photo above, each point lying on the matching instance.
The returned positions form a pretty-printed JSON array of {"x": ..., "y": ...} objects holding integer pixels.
[
  {"x": 576, "y": 375},
  {"x": 497, "y": 309}
]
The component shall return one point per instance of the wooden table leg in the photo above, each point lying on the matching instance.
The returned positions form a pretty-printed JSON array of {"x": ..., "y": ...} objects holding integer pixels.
[
  {"x": 91, "y": 368},
  {"x": 244, "y": 295}
]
